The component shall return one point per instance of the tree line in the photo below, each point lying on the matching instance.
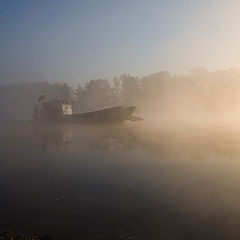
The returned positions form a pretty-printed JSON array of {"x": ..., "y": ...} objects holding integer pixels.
[{"x": 199, "y": 92}]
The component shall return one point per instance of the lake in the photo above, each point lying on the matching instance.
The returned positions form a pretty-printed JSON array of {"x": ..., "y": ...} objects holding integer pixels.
[{"x": 131, "y": 181}]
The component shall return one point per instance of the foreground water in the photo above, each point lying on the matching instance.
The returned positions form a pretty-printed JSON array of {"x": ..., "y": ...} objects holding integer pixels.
[{"x": 134, "y": 181}]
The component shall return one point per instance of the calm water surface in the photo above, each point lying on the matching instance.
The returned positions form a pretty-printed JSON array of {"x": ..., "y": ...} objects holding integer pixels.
[{"x": 133, "y": 181}]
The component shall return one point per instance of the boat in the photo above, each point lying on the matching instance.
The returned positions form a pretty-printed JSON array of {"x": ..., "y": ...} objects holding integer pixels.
[{"x": 60, "y": 110}]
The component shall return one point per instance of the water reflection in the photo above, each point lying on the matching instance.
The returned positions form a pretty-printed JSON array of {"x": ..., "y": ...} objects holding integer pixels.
[
  {"x": 121, "y": 182},
  {"x": 94, "y": 137},
  {"x": 48, "y": 135}
]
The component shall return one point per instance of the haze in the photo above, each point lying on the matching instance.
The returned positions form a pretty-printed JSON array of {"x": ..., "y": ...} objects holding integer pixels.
[
  {"x": 76, "y": 41},
  {"x": 119, "y": 119}
]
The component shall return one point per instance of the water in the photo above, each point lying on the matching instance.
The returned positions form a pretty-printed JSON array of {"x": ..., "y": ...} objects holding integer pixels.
[{"x": 135, "y": 181}]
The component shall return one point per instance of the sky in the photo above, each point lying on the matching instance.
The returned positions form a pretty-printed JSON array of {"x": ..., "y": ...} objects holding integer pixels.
[{"x": 76, "y": 41}]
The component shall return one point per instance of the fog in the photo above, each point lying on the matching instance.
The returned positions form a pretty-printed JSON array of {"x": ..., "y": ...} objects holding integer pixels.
[
  {"x": 199, "y": 94},
  {"x": 174, "y": 175},
  {"x": 133, "y": 181},
  {"x": 164, "y": 168}
]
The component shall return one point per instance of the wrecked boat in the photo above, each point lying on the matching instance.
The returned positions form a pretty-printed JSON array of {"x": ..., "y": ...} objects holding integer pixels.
[{"x": 60, "y": 110}]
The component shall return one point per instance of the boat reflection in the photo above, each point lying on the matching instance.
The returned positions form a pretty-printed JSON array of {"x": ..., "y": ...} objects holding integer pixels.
[
  {"x": 48, "y": 135},
  {"x": 91, "y": 137},
  {"x": 178, "y": 143}
]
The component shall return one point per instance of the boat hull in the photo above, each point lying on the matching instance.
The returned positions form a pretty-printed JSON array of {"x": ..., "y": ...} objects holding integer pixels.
[{"x": 109, "y": 115}]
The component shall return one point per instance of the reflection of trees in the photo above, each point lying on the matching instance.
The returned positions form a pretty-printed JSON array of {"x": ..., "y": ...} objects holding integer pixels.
[
  {"x": 89, "y": 137},
  {"x": 166, "y": 143}
]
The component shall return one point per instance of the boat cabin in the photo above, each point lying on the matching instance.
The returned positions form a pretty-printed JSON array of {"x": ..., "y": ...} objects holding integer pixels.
[{"x": 57, "y": 107}]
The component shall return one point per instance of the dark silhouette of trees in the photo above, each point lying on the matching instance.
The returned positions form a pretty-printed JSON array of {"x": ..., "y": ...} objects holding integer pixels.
[
  {"x": 199, "y": 92},
  {"x": 96, "y": 94}
]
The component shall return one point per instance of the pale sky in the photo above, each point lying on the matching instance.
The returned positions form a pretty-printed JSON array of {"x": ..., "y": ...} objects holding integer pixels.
[{"x": 76, "y": 41}]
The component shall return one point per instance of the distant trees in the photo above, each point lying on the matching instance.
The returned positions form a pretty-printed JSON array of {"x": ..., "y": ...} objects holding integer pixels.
[
  {"x": 196, "y": 93},
  {"x": 18, "y": 100},
  {"x": 94, "y": 95}
]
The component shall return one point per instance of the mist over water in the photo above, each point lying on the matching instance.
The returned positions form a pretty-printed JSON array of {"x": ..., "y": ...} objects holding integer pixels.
[
  {"x": 135, "y": 180},
  {"x": 200, "y": 94},
  {"x": 172, "y": 176}
]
